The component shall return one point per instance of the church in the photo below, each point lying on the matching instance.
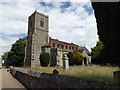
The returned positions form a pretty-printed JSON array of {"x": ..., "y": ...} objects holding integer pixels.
[{"x": 38, "y": 41}]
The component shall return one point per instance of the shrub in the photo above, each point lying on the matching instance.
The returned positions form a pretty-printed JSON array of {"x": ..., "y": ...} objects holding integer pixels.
[
  {"x": 75, "y": 58},
  {"x": 78, "y": 57},
  {"x": 44, "y": 59}
]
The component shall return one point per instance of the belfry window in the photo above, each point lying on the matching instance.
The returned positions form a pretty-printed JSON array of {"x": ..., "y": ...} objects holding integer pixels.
[{"x": 41, "y": 22}]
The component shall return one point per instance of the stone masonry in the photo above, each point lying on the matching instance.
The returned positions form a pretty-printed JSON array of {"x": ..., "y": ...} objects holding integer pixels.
[{"x": 37, "y": 37}]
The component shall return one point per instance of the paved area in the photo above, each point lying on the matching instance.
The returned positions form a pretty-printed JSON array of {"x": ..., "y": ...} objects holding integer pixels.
[
  {"x": 0, "y": 79},
  {"x": 8, "y": 81}
]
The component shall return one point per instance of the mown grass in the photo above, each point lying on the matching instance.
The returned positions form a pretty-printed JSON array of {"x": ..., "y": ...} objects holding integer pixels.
[{"x": 94, "y": 72}]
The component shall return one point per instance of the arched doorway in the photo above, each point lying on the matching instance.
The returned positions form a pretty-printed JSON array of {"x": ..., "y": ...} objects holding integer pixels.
[{"x": 85, "y": 61}]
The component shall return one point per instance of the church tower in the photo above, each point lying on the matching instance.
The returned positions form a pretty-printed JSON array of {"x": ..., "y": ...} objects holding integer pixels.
[{"x": 37, "y": 37}]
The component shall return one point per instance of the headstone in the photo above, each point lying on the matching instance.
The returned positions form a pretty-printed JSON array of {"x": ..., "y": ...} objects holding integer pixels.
[
  {"x": 65, "y": 62},
  {"x": 116, "y": 75},
  {"x": 55, "y": 71}
]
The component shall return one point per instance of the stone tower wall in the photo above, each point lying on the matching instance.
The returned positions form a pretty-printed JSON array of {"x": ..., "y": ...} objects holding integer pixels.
[
  {"x": 37, "y": 37},
  {"x": 28, "y": 50}
]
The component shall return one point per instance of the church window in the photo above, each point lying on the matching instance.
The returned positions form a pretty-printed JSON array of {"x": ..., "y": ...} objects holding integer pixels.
[
  {"x": 41, "y": 22},
  {"x": 62, "y": 46},
  {"x": 53, "y": 45},
  {"x": 69, "y": 47},
  {"x": 73, "y": 48},
  {"x": 33, "y": 52},
  {"x": 66, "y": 47},
  {"x": 58, "y": 45},
  {"x": 46, "y": 39},
  {"x": 76, "y": 48}
]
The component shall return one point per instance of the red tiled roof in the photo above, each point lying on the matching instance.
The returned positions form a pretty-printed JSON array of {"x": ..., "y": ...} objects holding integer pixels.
[{"x": 63, "y": 42}]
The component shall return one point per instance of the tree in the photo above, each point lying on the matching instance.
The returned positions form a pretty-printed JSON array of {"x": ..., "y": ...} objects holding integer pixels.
[
  {"x": 44, "y": 59},
  {"x": 15, "y": 56},
  {"x": 78, "y": 57},
  {"x": 75, "y": 58},
  {"x": 96, "y": 52},
  {"x": 4, "y": 57}
]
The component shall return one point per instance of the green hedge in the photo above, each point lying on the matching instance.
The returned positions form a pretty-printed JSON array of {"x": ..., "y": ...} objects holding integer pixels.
[
  {"x": 75, "y": 58},
  {"x": 44, "y": 59},
  {"x": 78, "y": 57}
]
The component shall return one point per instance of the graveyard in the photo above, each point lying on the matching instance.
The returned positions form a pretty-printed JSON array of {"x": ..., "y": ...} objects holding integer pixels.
[{"x": 94, "y": 72}]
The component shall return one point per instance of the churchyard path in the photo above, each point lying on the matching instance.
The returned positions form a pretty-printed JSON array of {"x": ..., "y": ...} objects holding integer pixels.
[{"x": 7, "y": 81}]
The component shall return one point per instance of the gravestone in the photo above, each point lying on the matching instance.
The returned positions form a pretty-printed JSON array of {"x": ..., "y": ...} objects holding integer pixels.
[
  {"x": 55, "y": 71},
  {"x": 116, "y": 75},
  {"x": 65, "y": 62}
]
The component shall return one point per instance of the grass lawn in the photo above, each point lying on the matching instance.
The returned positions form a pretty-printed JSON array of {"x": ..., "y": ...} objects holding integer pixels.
[{"x": 94, "y": 72}]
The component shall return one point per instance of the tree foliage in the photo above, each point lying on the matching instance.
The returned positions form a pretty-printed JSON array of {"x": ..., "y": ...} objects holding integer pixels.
[
  {"x": 96, "y": 52},
  {"x": 109, "y": 31},
  {"x": 15, "y": 56},
  {"x": 78, "y": 57},
  {"x": 102, "y": 54},
  {"x": 4, "y": 57},
  {"x": 75, "y": 58},
  {"x": 44, "y": 59}
]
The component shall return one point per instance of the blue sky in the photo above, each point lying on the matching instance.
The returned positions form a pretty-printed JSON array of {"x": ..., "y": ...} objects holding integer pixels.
[{"x": 68, "y": 21}]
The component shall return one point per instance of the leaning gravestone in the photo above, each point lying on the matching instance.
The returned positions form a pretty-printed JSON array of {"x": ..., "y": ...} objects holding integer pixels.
[
  {"x": 116, "y": 75},
  {"x": 55, "y": 71},
  {"x": 65, "y": 62}
]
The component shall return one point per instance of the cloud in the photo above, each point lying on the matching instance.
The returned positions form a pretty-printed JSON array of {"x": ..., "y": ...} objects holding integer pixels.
[
  {"x": 14, "y": 18},
  {"x": 68, "y": 21},
  {"x": 76, "y": 24},
  {"x": 6, "y": 43}
]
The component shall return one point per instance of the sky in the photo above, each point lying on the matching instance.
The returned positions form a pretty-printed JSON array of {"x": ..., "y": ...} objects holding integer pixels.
[{"x": 69, "y": 21}]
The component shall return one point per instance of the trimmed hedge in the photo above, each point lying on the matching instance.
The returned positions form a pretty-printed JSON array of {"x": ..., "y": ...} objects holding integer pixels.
[
  {"x": 75, "y": 58},
  {"x": 44, "y": 59}
]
